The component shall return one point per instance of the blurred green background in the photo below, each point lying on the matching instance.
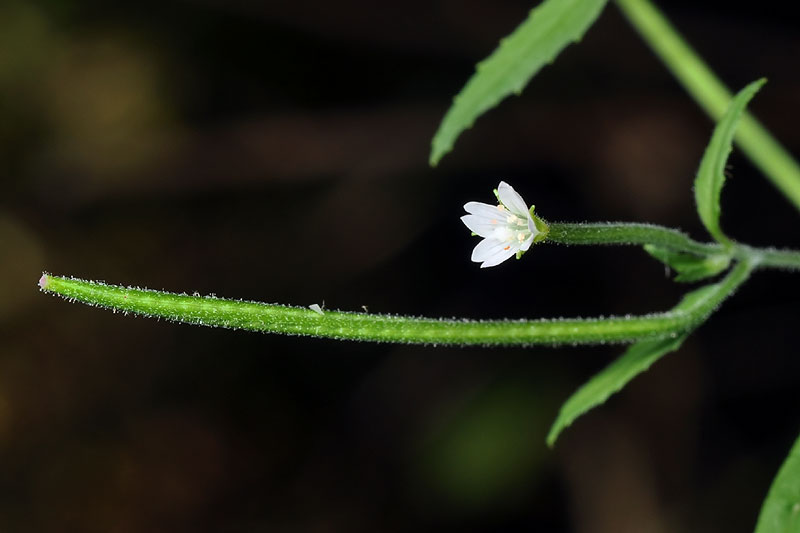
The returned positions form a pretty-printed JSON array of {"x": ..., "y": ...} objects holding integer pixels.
[{"x": 278, "y": 151}]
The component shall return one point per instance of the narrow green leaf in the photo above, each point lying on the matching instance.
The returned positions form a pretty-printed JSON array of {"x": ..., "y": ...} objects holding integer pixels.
[
  {"x": 781, "y": 510},
  {"x": 757, "y": 143},
  {"x": 690, "y": 267},
  {"x": 636, "y": 359},
  {"x": 711, "y": 174},
  {"x": 550, "y": 27}
]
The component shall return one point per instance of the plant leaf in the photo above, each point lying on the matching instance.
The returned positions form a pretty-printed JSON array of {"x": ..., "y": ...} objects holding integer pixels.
[
  {"x": 636, "y": 359},
  {"x": 549, "y": 28},
  {"x": 690, "y": 267},
  {"x": 781, "y": 510},
  {"x": 711, "y": 174}
]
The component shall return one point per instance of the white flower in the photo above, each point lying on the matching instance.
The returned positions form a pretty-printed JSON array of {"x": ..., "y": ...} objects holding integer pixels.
[{"x": 507, "y": 228}]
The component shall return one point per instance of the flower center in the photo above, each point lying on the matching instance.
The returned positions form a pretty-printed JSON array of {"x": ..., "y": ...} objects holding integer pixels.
[{"x": 513, "y": 228}]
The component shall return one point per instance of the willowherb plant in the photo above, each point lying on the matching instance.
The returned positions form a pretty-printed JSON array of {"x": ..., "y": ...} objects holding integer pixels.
[{"x": 511, "y": 228}]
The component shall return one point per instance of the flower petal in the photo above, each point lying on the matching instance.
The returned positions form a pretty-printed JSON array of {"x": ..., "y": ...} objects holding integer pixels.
[
  {"x": 527, "y": 244},
  {"x": 486, "y": 248},
  {"x": 482, "y": 210},
  {"x": 492, "y": 252},
  {"x": 512, "y": 200},
  {"x": 498, "y": 258},
  {"x": 532, "y": 226},
  {"x": 480, "y": 225}
]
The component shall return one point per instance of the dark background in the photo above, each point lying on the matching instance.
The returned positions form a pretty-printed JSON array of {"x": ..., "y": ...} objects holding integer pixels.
[{"x": 278, "y": 152}]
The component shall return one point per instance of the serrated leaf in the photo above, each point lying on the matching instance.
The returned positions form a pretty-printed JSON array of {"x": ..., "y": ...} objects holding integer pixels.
[
  {"x": 550, "y": 27},
  {"x": 688, "y": 266},
  {"x": 780, "y": 512},
  {"x": 636, "y": 359},
  {"x": 711, "y": 174}
]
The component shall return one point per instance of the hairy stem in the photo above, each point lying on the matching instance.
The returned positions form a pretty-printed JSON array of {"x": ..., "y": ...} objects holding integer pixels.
[
  {"x": 770, "y": 257},
  {"x": 712, "y": 95},
  {"x": 641, "y": 234},
  {"x": 626, "y": 233},
  {"x": 254, "y": 316}
]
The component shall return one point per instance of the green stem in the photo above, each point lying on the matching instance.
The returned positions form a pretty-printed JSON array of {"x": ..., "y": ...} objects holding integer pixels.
[
  {"x": 254, "y": 316},
  {"x": 770, "y": 257},
  {"x": 641, "y": 234},
  {"x": 626, "y": 233},
  {"x": 703, "y": 85}
]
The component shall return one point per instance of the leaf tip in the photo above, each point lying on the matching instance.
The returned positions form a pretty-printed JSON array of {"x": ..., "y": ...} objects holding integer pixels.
[
  {"x": 752, "y": 88},
  {"x": 552, "y": 437},
  {"x": 437, "y": 153}
]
